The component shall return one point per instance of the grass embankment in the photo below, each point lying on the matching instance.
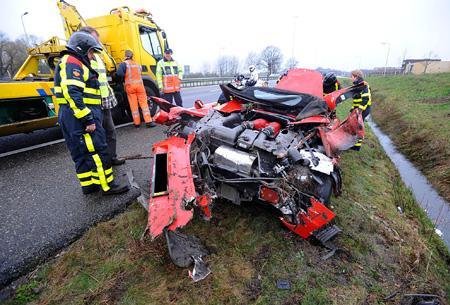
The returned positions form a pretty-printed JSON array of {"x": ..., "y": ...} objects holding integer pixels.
[
  {"x": 385, "y": 251},
  {"x": 415, "y": 112}
]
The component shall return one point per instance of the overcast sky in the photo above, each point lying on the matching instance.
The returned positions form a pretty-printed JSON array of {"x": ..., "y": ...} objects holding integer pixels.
[{"x": 335, "y": 34}]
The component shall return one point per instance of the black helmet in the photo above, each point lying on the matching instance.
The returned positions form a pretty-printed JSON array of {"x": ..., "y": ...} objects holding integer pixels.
[
  {"x": 82, "y": 42},
  {"x": 330, "y": 78}
]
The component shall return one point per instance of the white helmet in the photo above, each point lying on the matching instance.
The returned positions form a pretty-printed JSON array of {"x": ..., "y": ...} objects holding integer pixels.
[{"x": 252, "y": 68}]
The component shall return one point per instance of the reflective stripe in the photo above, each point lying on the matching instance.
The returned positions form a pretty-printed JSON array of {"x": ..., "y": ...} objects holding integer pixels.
[
  {"x": 95, "y": 181},
  {"x": 94, "y": 174},
  {"x": 82, "y": 113},
  {"x": 101, "y": 173},
  {"x": 89, "y": 142},
  {"x": 84, "y": 175},
  {"x": 92, "y": 101},
  {"x": 61, "y": 100},
  {"x": 86, "y": 183},
  {"x": 85, "y": 73},
  {"x": 92, "y": 91},
  {"x": 57, "y": 89}
]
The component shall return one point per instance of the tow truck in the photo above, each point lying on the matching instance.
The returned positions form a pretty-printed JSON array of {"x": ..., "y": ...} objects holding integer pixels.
[{"x": 27, "y": 102}]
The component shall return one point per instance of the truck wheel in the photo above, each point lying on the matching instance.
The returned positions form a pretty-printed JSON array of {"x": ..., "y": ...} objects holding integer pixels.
[{"x": 152, "y": 106}]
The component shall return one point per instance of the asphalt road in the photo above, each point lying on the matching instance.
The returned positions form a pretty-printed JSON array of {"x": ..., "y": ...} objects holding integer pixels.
[{"x": 42, "y": 208}]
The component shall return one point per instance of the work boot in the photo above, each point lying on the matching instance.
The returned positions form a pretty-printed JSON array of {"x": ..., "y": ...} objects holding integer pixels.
[
  {"x": 117, "y": 161},
  {"x": 90, "y": 189},
  {"x": 137, "y": 126},
  {"x": 150, "y": 125},
  {"x": 117, "y": 188}
]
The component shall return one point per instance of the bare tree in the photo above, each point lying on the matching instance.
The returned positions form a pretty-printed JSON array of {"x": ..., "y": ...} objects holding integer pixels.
[
  {"x": 271, "y": 59},
  {"x": 252, "y": 59},
  {"x": 12, "y": 55},
  {"x": 227, "y": 65},
  {"x": 291, "y": 63}
]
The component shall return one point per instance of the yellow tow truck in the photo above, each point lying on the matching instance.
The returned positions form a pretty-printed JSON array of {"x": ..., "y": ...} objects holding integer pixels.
[{"x": 27, "y": 102}]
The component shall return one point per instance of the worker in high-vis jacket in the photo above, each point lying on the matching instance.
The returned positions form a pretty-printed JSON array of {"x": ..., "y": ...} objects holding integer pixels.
[
  {"x": 131, "y": 71},
  {"x": 169, "y": 75},
  {"x": 362, "y": 99},
  {"x": 77, "y": 92},
  {"x": 109, "y": 100}
]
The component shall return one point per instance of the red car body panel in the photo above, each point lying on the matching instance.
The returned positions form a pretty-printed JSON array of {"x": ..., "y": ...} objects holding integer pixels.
[
  {"x": 168, "y": 208},
  {"x": 302, "y": 80},
  {"x": 342, "y": 136},
  {"x": 317, "y": 216}
]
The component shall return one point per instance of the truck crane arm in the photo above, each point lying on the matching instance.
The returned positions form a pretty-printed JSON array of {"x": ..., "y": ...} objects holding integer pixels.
[{"x": 73, "y": 21}]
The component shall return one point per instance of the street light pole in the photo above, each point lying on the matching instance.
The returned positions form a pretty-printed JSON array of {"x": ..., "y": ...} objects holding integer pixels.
[
  {"x": 387, "y": 55},
  {"x": 24, "y": 30}
]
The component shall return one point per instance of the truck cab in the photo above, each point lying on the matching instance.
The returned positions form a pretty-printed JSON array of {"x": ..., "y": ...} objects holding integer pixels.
[{"x": 125, "y": 29}]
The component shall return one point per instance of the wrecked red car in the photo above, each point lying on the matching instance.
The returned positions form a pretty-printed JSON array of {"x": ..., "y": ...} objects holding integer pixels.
[{"x": 275, "y": 146}]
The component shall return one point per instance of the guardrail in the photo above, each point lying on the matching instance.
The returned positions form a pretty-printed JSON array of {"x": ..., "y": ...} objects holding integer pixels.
[
  {"x": 209, "y": 81},
  {"x": 205, "y": 81}
]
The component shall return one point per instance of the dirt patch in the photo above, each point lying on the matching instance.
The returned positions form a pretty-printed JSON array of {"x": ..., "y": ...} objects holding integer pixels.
[{"x": 437, "y": 100}]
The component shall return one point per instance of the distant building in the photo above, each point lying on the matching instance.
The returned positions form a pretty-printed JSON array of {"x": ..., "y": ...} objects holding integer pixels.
[
  {"x": 425, "y": 65},
  {"x": 187, "y": 69}
]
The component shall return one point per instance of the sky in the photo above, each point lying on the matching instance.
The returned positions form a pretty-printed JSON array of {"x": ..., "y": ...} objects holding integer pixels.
[{"x": 345, "y": 35}]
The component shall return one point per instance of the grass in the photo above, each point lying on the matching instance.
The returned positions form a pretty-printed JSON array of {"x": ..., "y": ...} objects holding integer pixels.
[
  {"x": 415, "y": 112},
  {"x": 384, "y": 252}
]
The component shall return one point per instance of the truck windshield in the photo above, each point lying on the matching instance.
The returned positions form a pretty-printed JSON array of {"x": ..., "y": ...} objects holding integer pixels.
[{"x": 150, "y": 41}]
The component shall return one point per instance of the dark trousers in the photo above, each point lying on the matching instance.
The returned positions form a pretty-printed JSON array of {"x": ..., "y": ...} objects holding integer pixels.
[
  {"x": 365, "y": 113},
  {"x": 171, "y": 96},
  {"x": 89, "y": 151},
  {"x": 110, "y": 130}
]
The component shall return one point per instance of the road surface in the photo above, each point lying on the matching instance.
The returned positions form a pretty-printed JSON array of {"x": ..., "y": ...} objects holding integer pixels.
[{"x": 42, "y": 208}]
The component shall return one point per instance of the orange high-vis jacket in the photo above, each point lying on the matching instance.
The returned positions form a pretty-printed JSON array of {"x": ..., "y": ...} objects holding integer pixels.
[
  {"x": 133, "y": 73},
  {"x": 169, "y": 75}
]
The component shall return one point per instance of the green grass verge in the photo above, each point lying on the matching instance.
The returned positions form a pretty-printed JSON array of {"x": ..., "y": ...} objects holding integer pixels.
[
  {"x": 415, "y": 111},
  {"x": 385, "y": 252}
]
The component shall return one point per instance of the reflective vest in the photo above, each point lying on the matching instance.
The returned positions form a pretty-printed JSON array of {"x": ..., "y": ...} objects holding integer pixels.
[
  {"x": 169, "y": 74},
  {"x": 133, "y": 73},
  {"x": 76, "y": 86},
  {"x": 362, "y": 99},
  {"x": 99, "y": 66}
]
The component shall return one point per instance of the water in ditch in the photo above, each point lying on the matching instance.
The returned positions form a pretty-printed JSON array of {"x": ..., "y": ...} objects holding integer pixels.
[{"x": 436, "y": 207}]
